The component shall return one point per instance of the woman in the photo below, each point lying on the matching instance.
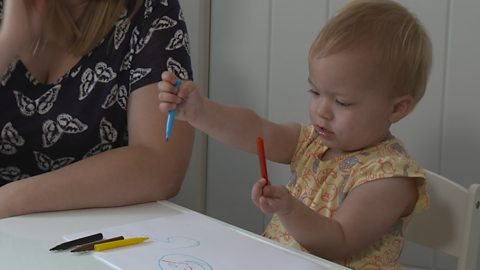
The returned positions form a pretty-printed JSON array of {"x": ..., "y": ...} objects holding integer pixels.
[{"x": 78, "y": 115}]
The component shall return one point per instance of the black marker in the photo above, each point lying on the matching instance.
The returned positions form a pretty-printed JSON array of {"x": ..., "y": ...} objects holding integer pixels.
[{"x": 79, "y": 241}]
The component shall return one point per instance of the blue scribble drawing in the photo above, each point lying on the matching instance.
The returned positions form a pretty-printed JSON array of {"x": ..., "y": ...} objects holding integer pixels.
[
  {"x": 182, "y": 262},
  {"x": 176, "y": 242}
]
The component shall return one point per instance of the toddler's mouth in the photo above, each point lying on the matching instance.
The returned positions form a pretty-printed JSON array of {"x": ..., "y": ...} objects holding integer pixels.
[{"x": 323, "y": 131}]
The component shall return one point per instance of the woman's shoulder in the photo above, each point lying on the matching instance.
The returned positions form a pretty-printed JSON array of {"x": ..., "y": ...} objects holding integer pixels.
[{"x": 156, "y": 9}]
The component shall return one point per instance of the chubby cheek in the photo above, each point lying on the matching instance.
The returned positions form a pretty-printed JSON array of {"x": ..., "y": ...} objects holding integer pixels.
[
  {"x": 311, "y": 111},
  {"x": 347, "y": 127},
  {"x": 351, "y": 128},
  {"x": 362, "y": 132}
]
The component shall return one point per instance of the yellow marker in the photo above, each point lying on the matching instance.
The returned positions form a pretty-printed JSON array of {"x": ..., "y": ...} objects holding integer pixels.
[{"x": 119, "y": 243}]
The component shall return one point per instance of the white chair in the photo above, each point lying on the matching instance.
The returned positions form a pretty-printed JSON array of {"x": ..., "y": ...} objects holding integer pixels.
[{"x": 451, "y": 224}]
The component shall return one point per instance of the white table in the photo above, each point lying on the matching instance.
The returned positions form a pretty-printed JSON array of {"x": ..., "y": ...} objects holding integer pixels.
[{"x": 25, "y": 240}]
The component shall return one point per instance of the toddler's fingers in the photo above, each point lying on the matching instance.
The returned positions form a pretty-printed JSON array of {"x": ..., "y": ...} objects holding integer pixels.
[
  {"x": 166, "y": 107},
  {"x": 169, "y": 77},
  {"x": 268, "y": 205},
  {"x": 275, "y": 191},
  {"x": 167, "y": 97},
  {"x": 168, "y": 101},
  {"x": 186, "y": 88},
  {"x": 257, "y": 189},
  {"x": 165, "y": 86}
]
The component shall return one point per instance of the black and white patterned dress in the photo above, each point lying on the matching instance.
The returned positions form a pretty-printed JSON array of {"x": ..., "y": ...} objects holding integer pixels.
[{"x": 45, "y": 127}]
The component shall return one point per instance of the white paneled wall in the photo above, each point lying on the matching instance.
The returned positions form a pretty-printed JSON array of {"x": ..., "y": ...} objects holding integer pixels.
[
  {"x": 239, "y": 78},
  {"x": 461, "y": 147},
  {"x": 258, "y": 59},
  {"x": 197, "y": 17}
]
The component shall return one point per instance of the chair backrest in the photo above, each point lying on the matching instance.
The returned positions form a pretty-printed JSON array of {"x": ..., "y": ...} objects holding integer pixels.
[{"x": 451, "y": 224}]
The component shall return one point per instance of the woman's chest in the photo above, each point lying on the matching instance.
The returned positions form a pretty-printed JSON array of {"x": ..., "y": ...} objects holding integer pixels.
[{"x": 49, "y": 66}]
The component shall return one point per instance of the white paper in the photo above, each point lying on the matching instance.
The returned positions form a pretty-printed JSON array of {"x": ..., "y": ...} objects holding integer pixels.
[{"x": 193, "y": 242}]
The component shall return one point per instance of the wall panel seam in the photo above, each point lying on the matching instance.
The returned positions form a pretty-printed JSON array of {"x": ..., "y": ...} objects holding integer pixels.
[
  {"x": 269, "y": 70},
  {"x": 443, "y": 126}
]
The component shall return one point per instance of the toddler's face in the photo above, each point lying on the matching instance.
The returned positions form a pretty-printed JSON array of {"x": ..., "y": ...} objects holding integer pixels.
[{"x": 350, "y": 106}]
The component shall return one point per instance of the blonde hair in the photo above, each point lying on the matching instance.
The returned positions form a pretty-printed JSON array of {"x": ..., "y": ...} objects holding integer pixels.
[
  {"x": 391, "y": 33},
  {"x": 87, "y": 31}
]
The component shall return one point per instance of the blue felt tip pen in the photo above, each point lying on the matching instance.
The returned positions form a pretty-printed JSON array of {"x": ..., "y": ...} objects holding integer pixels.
[{"x": 171, "y": 115}]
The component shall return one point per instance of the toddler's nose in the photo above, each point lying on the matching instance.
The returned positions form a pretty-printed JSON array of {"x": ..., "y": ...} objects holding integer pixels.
[{"x": 324, "y": 109}]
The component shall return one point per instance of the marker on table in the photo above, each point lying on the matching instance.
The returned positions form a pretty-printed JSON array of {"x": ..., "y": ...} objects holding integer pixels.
[
  {"x": 79, "y": 241},
  {"x": 171, "y": 115},
  {"x": 90, "y": 246},
  {"x": 261, "y": 158},
  {"x": 119, "y": 243}
]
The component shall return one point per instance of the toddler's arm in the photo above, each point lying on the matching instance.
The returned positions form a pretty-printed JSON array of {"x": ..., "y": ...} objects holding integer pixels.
[
  {"x": 232, "y": 125},
  {"x": 367, "y": 213}
]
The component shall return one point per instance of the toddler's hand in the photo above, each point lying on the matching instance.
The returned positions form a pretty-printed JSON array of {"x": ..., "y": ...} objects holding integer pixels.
[
  {"x": 272, "y": 199},
  {"x": 187, "y": 101}
]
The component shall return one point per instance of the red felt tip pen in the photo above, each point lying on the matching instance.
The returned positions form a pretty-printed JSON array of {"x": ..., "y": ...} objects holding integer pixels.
[{"x": 261, "y": 158}]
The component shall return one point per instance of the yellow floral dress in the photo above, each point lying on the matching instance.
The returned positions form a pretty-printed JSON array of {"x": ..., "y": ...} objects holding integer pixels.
[{"x": 323, "y": 185}]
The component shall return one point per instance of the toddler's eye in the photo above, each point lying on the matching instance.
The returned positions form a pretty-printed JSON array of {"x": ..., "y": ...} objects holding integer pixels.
[
  {"x": 343, "y": 104},
  {"x": 313, "y": 92}
]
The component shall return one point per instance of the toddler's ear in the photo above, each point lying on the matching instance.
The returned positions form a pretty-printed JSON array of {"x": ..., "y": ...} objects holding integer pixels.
[{"x": 402, "y": 106}]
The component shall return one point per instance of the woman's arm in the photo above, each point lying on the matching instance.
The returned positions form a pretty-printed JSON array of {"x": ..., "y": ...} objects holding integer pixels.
[{"x": 148, "y": 169}]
